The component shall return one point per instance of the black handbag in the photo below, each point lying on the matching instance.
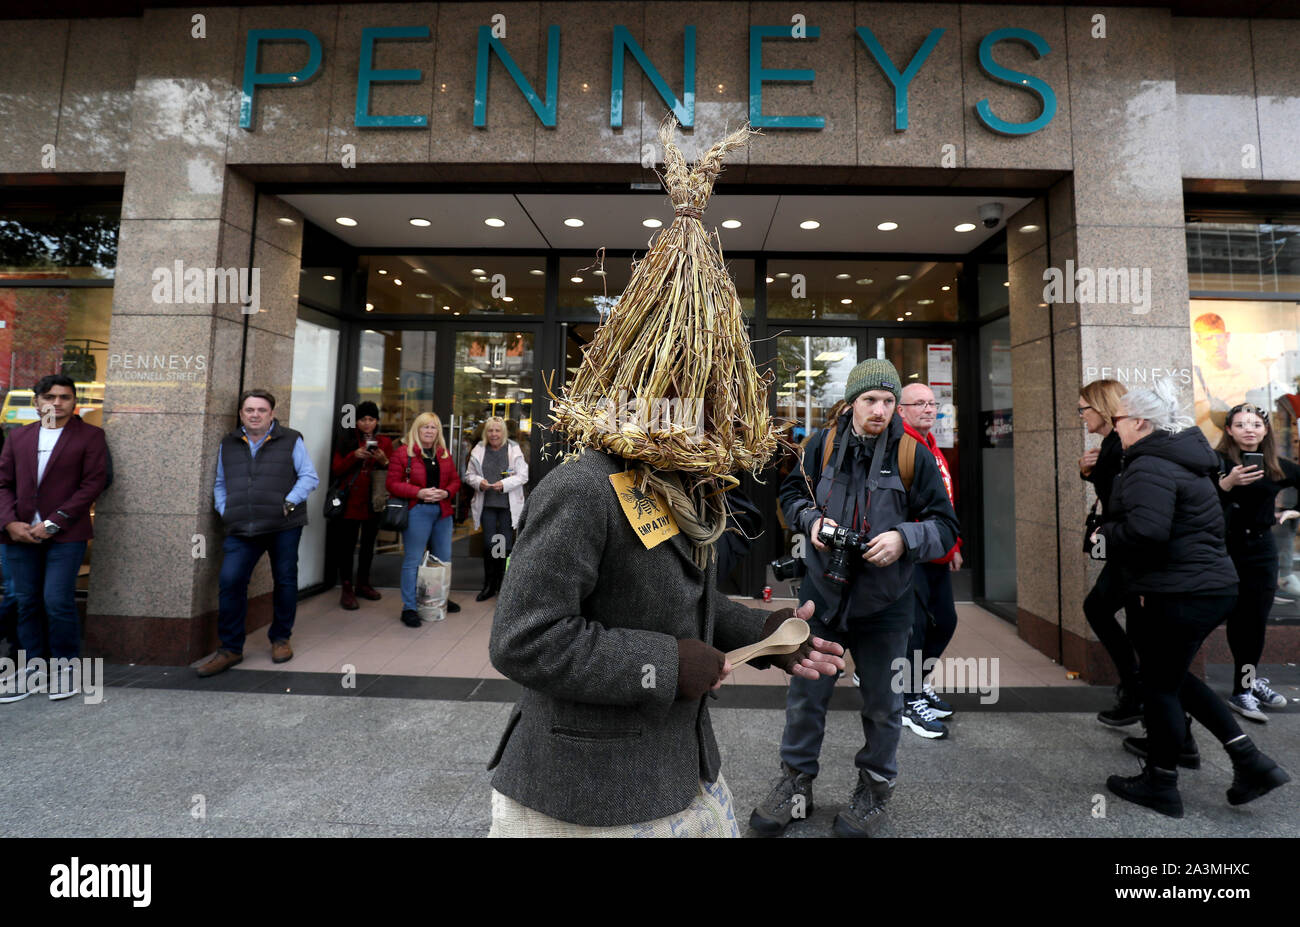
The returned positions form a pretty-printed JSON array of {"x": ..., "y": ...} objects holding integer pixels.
[
  {"x": 397, "y": 510},
  {"x": 1094, "y": 549},
  {"x": 336, "y": 497}
]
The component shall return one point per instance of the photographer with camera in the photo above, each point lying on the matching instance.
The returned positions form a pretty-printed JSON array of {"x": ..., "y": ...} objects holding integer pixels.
[{"x": 878, "y": 508}]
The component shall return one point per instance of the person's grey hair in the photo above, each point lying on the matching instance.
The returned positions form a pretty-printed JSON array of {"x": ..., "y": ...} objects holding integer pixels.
[{"x": 1159, "y": 405}]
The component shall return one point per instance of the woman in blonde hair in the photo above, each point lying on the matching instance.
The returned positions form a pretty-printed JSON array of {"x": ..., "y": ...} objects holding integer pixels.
[
  {"x": 422, "y": 471},
  {"x": 1098, "y": 405},
  {"x": 498, "y": 473}
]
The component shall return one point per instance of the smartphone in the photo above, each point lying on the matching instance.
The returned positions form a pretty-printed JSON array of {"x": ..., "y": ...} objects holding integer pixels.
[
  {"x": 1252, "y": 460},
  {"x": 371, "y": 444}
]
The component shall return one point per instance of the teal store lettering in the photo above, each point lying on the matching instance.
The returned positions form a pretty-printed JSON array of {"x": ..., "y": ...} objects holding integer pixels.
[{"x": 545, "y": 105}]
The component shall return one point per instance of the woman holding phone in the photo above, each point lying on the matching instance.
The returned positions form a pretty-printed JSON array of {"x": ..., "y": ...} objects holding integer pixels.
[
  {"x": 357, "y": 452},
  {"x": 1252, "y": 474}
]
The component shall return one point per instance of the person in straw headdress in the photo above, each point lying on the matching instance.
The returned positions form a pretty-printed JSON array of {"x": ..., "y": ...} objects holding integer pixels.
[{"x": 609, "y": 615}]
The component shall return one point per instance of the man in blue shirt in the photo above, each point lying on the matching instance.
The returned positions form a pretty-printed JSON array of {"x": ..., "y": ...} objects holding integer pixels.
[{"x": 264, "y": 476}]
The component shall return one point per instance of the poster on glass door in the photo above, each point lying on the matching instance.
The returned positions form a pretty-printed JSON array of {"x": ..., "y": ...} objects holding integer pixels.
[{"x": 939, "y": 375}]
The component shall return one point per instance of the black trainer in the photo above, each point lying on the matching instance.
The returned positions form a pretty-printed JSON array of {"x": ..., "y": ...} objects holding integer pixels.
[
  {"x": 789, "y": 800},
  {"x": 1156, "y": 789},
  {"x": 410, "y": 618},
  {"x": 865, "y": 815},
  {"x": 1127, "y": 710},
  {"x": 1253, "y": 773}
]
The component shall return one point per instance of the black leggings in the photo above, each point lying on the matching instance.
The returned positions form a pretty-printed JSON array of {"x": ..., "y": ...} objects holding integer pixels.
[
  {"x": 1168, "y": 631},
  {"x": 1099, "y": 607},
  {"x": 496, "y": 521},
  {"x": 1256, "y": 586},
  {"x": 936, "y": 614},
  {"x": 345, "y": 538}
]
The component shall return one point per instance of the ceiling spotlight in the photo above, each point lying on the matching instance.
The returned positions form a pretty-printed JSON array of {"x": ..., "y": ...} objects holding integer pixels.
[
  {"x": 481, "y": 279},
  {"x": 447, "y": 308},
  {"x": 864, "y": 281},
  {"x": 810, "y": 224},
  {"x": 328, "y": 277},
  {"x": 575, "y": 279},
  {"x": 382, "y": 272},
  {"x": 477, "y": 270},
  {"x": 771, "y": 279},
  {"x": 782, "y": 275},
  {"x": 731, "y": 223},
  {"x": 537, "y": 273},
  {"x": 598, "y": 273},
  {"x": 1029, "y": 228},
  {"x": 1006, "y": 283},
  {"x": 842, "y": 276},
  {"x": 396, "y": 282},
  {"x": 925, "y": 302},
  {"x": 945, "y": 288},
  {"x": 424, "y": 296},
  {"x": 494, "y": 222},
  {"x": 370, "y": 307},
  {"x": 900, "y": 318},
  {"x": 418, "y": 270},
  {"x": 345, "y": 220},
  {"x": 903, "y": 277},
  {"x": 964, "y": 227},
  {"x": 845, "y": 302},
  {"x": 507, "y": 299},
  {"x": 420, "y": 223},
  {"x": 285, "y": 220},
  {"x": 907, "y": 313},
  {"x": 887, "y": 226},
  {"x": 574, "y": 223},
  {"x": 652, "y": 223}
]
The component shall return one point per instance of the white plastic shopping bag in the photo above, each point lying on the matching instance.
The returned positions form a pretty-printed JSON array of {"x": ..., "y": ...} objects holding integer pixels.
[{"x": 432, "y": 583}]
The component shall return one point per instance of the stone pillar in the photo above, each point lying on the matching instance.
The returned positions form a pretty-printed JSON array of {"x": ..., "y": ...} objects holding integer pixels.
[{"x": 175, "y": 358}]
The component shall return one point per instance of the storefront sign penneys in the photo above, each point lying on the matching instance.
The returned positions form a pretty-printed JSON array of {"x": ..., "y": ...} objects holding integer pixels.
[{"x": 683, "y": 107}]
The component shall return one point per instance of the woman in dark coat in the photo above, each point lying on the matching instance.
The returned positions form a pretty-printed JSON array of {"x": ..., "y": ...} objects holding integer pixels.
[
  {"x": 354, "y": 459},
  {"x": 1098, "y": 406},
  {"x": 1166, "y": 530},
  {"x": 1249, "y": 497}
]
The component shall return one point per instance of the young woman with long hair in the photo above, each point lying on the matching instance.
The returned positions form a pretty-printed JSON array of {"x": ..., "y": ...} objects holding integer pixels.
[
  {"x": 1249, "y": 497},
  {"x": 1099, "y": 403},
  {"x": 431, "y": 487}
]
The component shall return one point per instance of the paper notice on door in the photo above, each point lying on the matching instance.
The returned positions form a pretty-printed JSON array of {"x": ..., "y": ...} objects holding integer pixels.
[{"x": 939, "y": 368}]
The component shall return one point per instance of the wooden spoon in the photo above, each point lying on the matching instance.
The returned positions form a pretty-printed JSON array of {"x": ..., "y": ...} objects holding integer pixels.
[{"x": 787, "y": 638}]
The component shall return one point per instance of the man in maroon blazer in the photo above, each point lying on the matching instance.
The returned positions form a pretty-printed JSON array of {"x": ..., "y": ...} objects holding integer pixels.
[{"x": 51, "y": 472}]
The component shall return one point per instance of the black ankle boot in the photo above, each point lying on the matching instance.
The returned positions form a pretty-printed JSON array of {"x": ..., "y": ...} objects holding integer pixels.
[
  {"x": 1188, "y": 756},
  {"x": 1127, "y": 709},
  {"x": 1253, "y": 772},
  {"x": 486, "y": 592},
  {"x": 1155, "y": 788}
]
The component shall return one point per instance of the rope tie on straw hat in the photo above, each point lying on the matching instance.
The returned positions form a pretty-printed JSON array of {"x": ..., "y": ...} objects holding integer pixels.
[{"x": 699, "y": 520}]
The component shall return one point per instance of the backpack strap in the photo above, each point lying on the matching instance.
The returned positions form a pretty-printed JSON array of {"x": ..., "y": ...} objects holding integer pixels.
[
  {"x": 907, "y": 460},
  {"x": 828, "y": 444}
]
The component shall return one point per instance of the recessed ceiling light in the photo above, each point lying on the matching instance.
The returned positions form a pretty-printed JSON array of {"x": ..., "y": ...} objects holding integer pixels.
[
  {"x": 731, "y": 223},
  {"x": 964, "y": 227},
  {"x": 907, "y": 313},
  {"x": 507, "y": 299},
  {"x": 328, "y": 277},
  {"x": 887, "y": 226},
  {"x": 945, "y": 288},
  {"x": 771, "y": 280},
  {"x": 810, "y": 224},
  {"x": 598, "y": 273},
  {"x": 494, "y": 222},
  {"x": 782, "y": 275},
  {"x": 370, "y": 307},
  {"x": 900, "y": 318},
  {"x": 575, "y": 279},
  {"x": 418, "y": 270},
  {"x": 903, "y": 277},
  {"x": 843, "y": 276},
  {"x": 381, "y": 272},
  {"x": 477, "y": 270},
  {"x": 455, "y": 313},
  {"x": 285, "y": 220},
  {"x": 537, "y": 273},
  {"x": 1006, "y": 283},
  {"x": 925, "y": 302},
  {"x": 396, "y": 282},
  {"x": 420, "y": 223},
  {"x": 845, "y": 302},
  {"x": 864, "y": 281},
  {"x": 1029, "y": 228},
  {"x": 652, "y": 223},
  {"x": 424, "y": 296},
  {"x": 574, "y": 223},
  {"x": 448, "y": 308},
  {"x": 345, "y": 220}
]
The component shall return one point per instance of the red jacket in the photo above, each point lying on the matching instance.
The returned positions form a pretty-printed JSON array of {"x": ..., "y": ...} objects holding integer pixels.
[
  {"x": 346, "y": 464},
  {"x": 448, "y": 478},
  {"x": 948, "y": 483},
  {"x": 74, "y": 477}
]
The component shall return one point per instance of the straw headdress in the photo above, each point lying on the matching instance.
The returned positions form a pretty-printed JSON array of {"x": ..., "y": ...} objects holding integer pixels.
[{"x": 675, "y": 343}]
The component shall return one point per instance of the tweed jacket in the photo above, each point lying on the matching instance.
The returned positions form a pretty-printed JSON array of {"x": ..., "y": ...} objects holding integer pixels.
[{"x": 587, "y": 621}]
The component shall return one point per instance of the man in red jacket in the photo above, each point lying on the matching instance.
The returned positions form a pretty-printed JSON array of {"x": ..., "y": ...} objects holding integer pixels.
[
  {"x": 936, "y": 613},
  {"x": 51, "y": 472}
]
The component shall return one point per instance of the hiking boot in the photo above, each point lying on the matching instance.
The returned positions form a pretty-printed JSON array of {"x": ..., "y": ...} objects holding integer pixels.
[
  {"x": 1266, "y": 697},
  {"x": 221, "y": 661},
  {"x": 367, "y": 591},
  {"x": 937, "y": 705},
  {"x": 281, "y": 652},
  {"x": 410, "y": 618},
  {"x": 865, "y": 815},
  {"x": 1188, "y": 757},
  {"x": 1247, "y": 705},
  {"x": 791, "y": 799},
  {"x": 1253, "y": 773},
  {"x": 1127, "y": 710},
  {"x": 348, "y": 599},
  {"x": 920, "y": 718},
  {"x": 1155, "y": 788}
]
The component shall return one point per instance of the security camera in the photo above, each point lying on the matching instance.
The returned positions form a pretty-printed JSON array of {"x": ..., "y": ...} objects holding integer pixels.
[{"x": 991, "y": 215}]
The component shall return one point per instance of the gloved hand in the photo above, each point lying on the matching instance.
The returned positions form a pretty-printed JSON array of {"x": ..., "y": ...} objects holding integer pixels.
[
  {"x": 699, "y": 667},
  {"x": 785, "y": 661}
]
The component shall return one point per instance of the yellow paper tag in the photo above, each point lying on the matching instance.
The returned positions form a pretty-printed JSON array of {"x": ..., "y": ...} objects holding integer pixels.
[{"x": 647, "y": 512}]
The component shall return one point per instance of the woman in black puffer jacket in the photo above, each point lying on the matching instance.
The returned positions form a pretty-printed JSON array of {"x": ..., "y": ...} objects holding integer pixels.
[{"x": 1166, "y": 530}]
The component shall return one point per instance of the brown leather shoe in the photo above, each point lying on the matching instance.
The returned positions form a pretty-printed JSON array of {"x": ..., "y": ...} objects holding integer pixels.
[
  {"x": 281, "y": 652},
  {"x": 348, "y": 600},
  {"x": 367, "y": 591},
  {"x": 221, "y": 661}
]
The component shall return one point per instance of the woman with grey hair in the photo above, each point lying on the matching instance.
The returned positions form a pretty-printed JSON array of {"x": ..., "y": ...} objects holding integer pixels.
[{"x": 1166, "y": 530}]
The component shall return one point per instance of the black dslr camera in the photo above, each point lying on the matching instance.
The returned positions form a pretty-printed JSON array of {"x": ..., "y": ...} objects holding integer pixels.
[
  {"x": 788, "y": 568},
  {"x": 841, "y": 545}
]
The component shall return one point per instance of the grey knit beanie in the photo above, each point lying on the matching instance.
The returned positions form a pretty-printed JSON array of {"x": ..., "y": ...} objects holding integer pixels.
[{"x": 873, "y": 373}]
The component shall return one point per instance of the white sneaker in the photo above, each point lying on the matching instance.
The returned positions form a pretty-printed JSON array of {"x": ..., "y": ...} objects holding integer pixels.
[
  {"x": 1247, "y": 706},
  {"x": 63, "y": 686},
  {"x": 35, "y": 683},
  {"x": 1290, "y": 586},
  {"x": 1266, "y": 697}
]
